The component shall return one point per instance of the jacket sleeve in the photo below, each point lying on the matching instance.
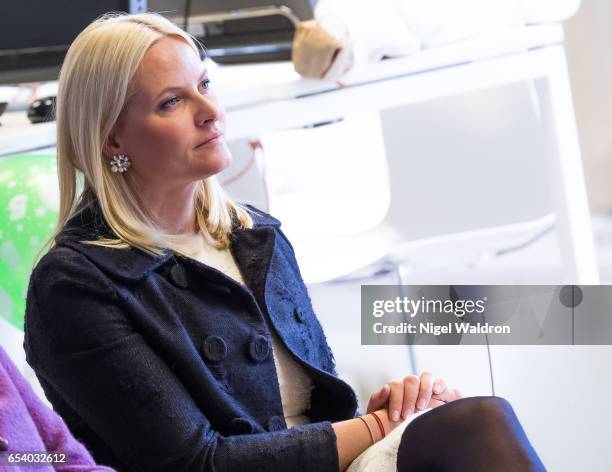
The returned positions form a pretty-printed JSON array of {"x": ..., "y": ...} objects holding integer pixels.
[{"x": 81, "y": 343}]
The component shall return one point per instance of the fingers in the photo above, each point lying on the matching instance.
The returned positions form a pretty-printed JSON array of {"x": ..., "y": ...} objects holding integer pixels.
[
  {"x": 379, "y": 399},
  {"x": 396, "y": 399},
  {"x": 439, "y": 386},
  {"x": 435, "y": 403},
  {"x": 425, "y": 390},
  {"x": 411, "y": 393},
  {"x": 449, "y": 395},
  {"x": 405, "y": 397}
]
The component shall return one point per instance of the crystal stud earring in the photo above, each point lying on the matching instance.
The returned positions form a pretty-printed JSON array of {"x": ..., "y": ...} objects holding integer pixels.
[{"x": 120, "y": 163}]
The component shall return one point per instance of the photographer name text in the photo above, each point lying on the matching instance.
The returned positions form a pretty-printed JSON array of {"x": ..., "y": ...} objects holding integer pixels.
[{"x": 439, "y": 329}]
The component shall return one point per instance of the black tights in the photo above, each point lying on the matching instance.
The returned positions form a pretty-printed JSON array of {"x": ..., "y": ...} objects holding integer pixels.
[{"x": 469, "y": 435}]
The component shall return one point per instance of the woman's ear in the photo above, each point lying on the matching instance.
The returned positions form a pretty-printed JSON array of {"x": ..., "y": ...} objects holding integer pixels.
[{"x": 111, "y": 146}]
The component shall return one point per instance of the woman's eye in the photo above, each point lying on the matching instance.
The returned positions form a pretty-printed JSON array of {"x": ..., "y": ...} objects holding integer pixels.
[{"x": 169, "y": 103}]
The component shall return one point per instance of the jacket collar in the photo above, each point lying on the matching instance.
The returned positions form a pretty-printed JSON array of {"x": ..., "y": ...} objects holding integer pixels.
[{"x": 88, "y": 224}]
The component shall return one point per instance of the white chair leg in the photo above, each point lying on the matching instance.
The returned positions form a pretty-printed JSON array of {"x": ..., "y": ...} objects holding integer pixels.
[{"x": 566, "y": 174}]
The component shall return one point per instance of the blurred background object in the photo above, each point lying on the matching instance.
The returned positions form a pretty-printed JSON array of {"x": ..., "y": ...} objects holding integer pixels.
[
  {"x": 42, "y": 110},
  {"x": 35, "y": 34},
  {"x": 29, "y": 198},
  {"x": 588, "y": 36},
  {"x": 236, "y": 31}
]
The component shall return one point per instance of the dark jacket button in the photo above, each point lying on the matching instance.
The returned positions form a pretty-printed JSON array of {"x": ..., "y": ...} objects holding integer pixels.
[
  {"x": 214, "y": 348},
  {"x": 240, "y": 426},
  {"x": 178, "y": 277},
  {"x": 259, "y": 348},
  {"x": 276, "y": 423},
  {"x": 299, "y": 314},
  {"x": 3, "y": 444}
]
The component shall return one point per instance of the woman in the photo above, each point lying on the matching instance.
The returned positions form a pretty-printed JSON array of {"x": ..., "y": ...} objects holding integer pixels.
[{"x": 168, "y": 325}]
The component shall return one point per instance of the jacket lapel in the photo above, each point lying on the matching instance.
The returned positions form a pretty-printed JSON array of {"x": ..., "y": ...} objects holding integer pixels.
[{"x": 252, "y": 248}]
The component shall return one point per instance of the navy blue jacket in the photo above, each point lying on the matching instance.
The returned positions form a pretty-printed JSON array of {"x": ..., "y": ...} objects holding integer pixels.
[{"x": 165, "y": 364}]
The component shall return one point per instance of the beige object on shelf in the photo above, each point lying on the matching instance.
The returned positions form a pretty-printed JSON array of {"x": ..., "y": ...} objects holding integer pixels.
[{"x": 320, "y": 53}]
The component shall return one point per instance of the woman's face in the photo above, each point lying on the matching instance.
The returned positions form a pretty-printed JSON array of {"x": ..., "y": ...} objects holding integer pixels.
[{"x": 172, "y": 128}]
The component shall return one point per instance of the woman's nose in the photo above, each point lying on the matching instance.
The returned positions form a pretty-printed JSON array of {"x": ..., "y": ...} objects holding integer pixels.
[{"x": 207, "y": 111}]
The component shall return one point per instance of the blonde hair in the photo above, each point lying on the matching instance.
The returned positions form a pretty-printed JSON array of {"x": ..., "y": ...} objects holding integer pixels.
[{"x": 95, "y": 83}]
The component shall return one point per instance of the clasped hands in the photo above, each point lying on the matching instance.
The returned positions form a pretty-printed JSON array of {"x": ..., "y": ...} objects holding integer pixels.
[{"x": 399, "y": 399}]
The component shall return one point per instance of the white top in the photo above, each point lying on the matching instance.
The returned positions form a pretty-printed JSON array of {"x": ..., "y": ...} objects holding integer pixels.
[{"x": 294, "y": 383}]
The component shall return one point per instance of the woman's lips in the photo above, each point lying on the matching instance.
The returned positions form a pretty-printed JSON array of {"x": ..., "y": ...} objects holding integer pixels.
[{"x": 212, "y": 140}]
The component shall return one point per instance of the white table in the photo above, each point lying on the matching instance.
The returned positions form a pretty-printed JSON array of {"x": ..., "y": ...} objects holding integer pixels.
[{"x": 269, "y": 97}]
